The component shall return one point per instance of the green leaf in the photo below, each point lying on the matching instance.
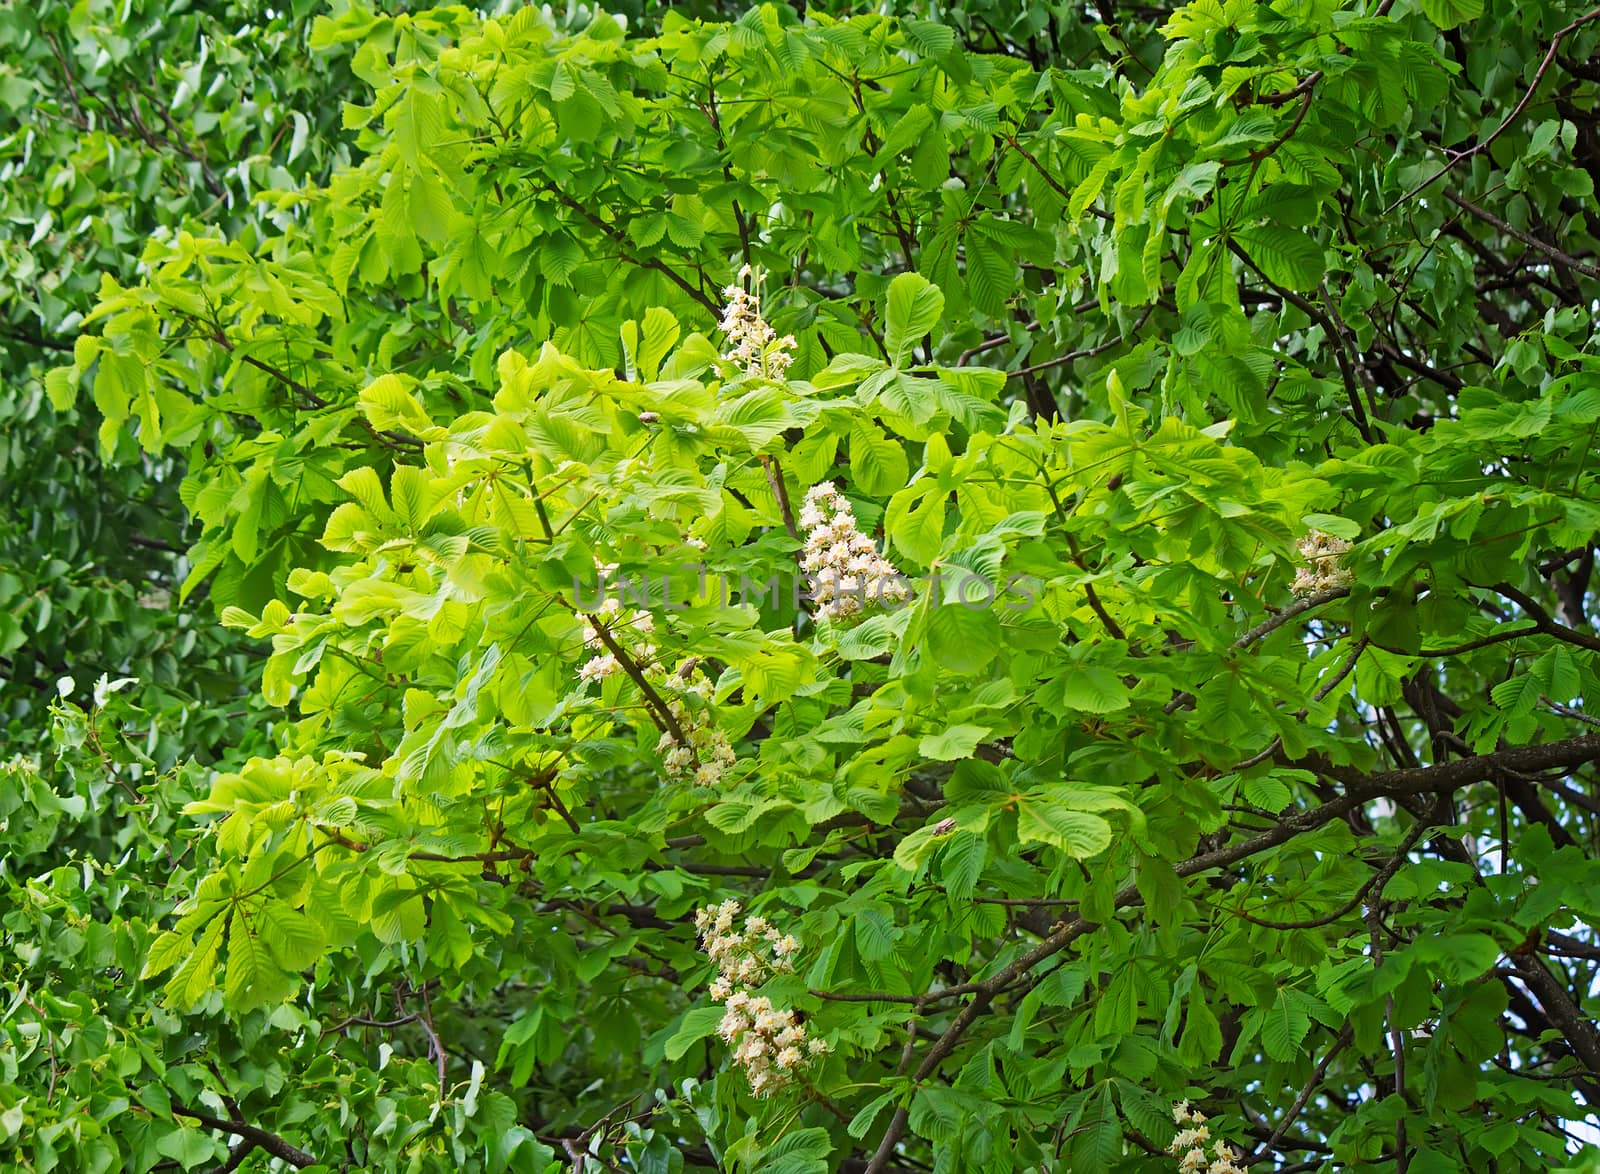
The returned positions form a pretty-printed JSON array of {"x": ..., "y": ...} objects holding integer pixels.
[
  {"x": 398, "y": 916},
  {"x": 877, "y": 463},
  {"x": 869, "y": 639},
  {"x": 291, "y": 936},
  {"x": 1284, "y": 1027},
  {"x": 1447, "y": 14},
  {"x": 389, "y": 404},
  {"x": 1094, "y": 690},
  {"x": 198, "y": 974},
  {"x": 955, "y": 742},
  {"x": 962, "y": 639},
  {"x": 875, "y": 935},
  {"x": 1288, "y": 258},
  {"x": 991, "y": 271},
  {"x": 961, "y": 863},
  {"x": 188, "y": 1146},
  {"x": 166, "y": 951},
  {"x": 802, "y": 1151},
  {"x": 915, "y": 306},
  {"x": 1266, "y": 792},
  {"x": 915, "y": 520},
  {"x": 1460, "y": 957},
  {"x": 417, "y": 121},
  {"x": 246, "y": 960},
  {"x": 1077, "y": 833},
  {"x": 861, "y": 1123},
  {"x": 696, "y": 1024},
  {"x": 61, "y": 383},
  {"x": 1334, "y": 525}
]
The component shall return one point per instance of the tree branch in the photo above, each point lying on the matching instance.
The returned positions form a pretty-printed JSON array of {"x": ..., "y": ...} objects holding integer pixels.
[{"x": 260, "y": 1138}]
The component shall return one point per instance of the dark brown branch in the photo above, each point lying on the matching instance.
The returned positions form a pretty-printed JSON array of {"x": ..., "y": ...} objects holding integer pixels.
[
  {"x": 1518, "y": 234},
  {"x": 658, "y": 707},
  {"x": 1451, "y": 776},
  {"x": 23, "y": 334},
  {"x": 1336, "y": 339},
  {"x": 1546, "y": 623},
  {"x": 1267, "y": 627},
  {"x": 1286, "y": 96},
  {"x": 780, "y": 491},
  {"x": 260, "y": 1138},
  {"x": 1374, "y": 884},
  {"x": 1578, "y": 1028},
  {"x": 1260, "y": 153}
]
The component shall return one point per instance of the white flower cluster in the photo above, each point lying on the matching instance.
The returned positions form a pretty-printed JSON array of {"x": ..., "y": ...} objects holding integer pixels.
[
  {"x": 705, "y": 754},
  {"x": 1322, "y": 571},
  {"x": 767, "y": 1041},
  {"x": 752, "y": 343},
  {"x": 847, "y": 572},
  {"x": 1189, "y": 1147},
  {"x": 627, "y": 628}
]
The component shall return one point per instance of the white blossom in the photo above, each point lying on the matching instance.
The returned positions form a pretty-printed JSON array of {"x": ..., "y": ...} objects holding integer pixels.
[
  {"x": 1189, "y": 1145},
  {"x": 1322, "y": 570},
  {"x": 846, "y": 571},
  {"x": 752, "y": 343},
  {"x": 768, "y": 1042}
]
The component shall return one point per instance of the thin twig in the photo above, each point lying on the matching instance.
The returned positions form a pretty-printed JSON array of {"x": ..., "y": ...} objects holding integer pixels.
[
  {"x": 1086, "y": 353},
  {"x": 1339, "y": 1045},
  {"x": 1516, "y": 113},
  {"x": 1518, "y": 234}
]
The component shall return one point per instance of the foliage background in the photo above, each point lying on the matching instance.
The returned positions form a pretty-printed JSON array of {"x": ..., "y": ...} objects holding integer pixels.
[{"x": 1187, "y": 284}]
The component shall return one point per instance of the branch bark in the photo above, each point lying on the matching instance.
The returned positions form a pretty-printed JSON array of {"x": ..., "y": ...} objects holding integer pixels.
[{"x": 260, "y": 1138}]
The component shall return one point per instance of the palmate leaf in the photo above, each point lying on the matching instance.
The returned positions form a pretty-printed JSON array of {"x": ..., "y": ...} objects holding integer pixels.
[
  {"x": 389, "y": 403},
  {"x": 1097, "y": 1137},
  {"x": 875, "y": 935},
  {"x": 252, "y": 979},
  {"x": 961, "y": 863},
  {"x": 991, "y": 270},
  {"x": 957, "y": 741},
  {"x": 914, "y": 521},
  {"x": 198, "y": 974},
  {"x": 189, "y": 1146},
  {"x": 963, "y": 639},
  {"x": 417, "y": 121},
  {"x": 168, "y": 949},
  {"x": 398, "y": 915},
  {"x": 802, "y": 1151},
  {"x": 61, "y": 384},
  {"x": 908, "y": 397},
  {"x": 861, "y": 1123},
  {"x": 648, "y": 343}
]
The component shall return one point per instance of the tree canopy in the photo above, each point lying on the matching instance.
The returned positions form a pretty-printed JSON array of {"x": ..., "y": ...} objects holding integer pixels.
[{"x": 977, "y": 586}]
